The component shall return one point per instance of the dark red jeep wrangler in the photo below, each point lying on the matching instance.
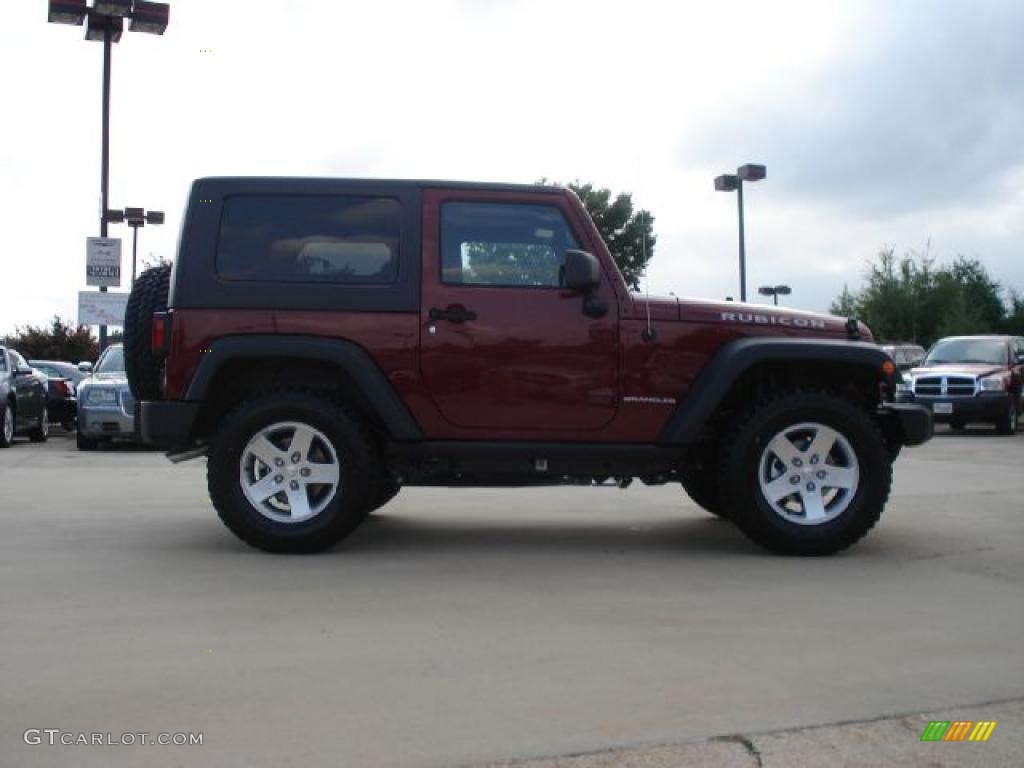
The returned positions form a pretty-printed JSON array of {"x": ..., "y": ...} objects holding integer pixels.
[{"x": 327, "y": 341}]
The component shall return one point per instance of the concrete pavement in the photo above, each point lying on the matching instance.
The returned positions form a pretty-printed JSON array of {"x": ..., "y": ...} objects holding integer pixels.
[{"x": 462, "y": 627}]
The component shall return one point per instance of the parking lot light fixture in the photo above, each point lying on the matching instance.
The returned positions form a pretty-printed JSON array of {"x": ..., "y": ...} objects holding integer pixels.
[
  {"x": 734, "y": 183},
  {"x": 151, "y": 18},
  {"x": 67, "y": 12},
  {"x": 135, "y": 218},
  {"x": 113, "y": 7},
  {"x": 775, "y": 291}
]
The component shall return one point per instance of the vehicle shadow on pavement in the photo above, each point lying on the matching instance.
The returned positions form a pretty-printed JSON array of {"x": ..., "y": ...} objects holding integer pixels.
[{"x": 406, "y": 533}]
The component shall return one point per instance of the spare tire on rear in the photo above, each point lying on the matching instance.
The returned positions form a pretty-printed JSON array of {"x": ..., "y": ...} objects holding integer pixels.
[{"x": 149, "y": 295}]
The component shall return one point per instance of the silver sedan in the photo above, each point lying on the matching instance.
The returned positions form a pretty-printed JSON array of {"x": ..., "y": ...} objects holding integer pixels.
[{"x": 106, "y": 408}]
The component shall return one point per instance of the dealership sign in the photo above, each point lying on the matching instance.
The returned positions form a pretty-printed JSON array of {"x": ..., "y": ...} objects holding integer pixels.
[
  {"x": 96, "y": 308},
  {"x": 103, "y": 261}
]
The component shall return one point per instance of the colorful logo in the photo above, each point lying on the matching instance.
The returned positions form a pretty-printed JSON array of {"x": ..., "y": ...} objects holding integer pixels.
[{"x": 958, "y": 730}]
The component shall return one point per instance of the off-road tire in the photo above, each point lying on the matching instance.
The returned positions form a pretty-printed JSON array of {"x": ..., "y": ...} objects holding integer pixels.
[
  {"x": 6, "y": 431},
  {"x": 359, "y": 472},
  {"x": 149, "y": 295},
  {"x": 740, "y": 488},
  {"x": 42, "y": 432}
]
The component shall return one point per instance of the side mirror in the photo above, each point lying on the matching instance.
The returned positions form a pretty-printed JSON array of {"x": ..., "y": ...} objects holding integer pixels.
[
  {"x": 85, "y": 367},
  {"x": 581, "y": 272}
]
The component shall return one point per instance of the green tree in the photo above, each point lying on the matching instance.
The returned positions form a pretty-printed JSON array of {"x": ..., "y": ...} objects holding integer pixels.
[
  {"x": 909, "y": 298},
  {"x": 628, "y": 233},
  {"x": 60, "y": 341}
]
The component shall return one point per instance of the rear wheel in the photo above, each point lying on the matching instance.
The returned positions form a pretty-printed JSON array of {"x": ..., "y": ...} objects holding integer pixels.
[
  {"x": 292, "y": 472},
  {"x": 42, "y": 431},
  {"x": 805, "y": 473},
  {"x": 149, "y": 295}
]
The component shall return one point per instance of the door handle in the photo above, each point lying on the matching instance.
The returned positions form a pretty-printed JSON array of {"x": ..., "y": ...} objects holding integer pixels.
[{"x": 453, "y": 313}]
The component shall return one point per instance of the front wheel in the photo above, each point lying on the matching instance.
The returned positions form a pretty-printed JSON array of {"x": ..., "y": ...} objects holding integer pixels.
[
  {"x": 806, "y": 474},
  {"x": 291, "y": 472},
  {"x": 1007, "y": 425}
]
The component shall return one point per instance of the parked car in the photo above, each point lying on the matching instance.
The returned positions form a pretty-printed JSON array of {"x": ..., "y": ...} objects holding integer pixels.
[
  {"x": 327, "y": 341},
  {"x": 968, "y": 379},
  {"x": 22, "y": 399},
  {"x": 61, "y": 401},
  {"x": 106, "y": 408},
  {"x": 59, "y": 369},
  {"x": 906, "y": 356}
]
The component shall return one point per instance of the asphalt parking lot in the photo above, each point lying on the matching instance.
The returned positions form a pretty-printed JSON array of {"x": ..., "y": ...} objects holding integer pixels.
[{"x": 461, "y": 627}]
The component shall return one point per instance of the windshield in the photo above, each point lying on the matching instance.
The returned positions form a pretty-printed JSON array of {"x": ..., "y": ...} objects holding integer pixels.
[
  {"x": 112, "y": 361},
  {"x": 967, "y": 351}
]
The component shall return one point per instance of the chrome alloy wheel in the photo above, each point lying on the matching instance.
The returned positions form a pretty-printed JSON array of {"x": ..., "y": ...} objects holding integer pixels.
[
  {"x": 808, "y": 474},
  {"x": 8, "y": 425},
  {"x": 289, "y": 472}
]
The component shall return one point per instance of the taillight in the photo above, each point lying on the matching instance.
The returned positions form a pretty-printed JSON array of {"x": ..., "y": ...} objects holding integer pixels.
[
  {"x": 160, "y": 338},
  {"x": 62, "y": 388}
]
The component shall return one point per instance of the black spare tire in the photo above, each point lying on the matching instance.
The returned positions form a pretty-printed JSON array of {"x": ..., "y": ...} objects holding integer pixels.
[{"x": 149, "y": 295}]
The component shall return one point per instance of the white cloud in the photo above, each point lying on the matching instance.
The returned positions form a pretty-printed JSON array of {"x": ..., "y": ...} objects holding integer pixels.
[{"x": 650, "y": 97}]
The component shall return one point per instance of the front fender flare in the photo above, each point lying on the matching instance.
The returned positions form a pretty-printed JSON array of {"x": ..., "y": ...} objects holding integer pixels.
[{"x": 733, "y": 359}]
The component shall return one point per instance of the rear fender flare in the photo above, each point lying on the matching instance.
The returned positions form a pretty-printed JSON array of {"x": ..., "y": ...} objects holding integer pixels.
[{"x": 371, "y": 382}]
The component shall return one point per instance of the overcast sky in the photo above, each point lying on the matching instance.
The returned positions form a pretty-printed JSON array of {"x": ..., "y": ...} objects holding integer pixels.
[{"x": 881, "y": 123}]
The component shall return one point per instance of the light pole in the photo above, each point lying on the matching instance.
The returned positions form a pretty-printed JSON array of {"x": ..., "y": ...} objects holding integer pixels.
[
  {"x": 105, "y": 21},
  {"x": 734, "y": 183},
  {"x": 775, "y": 291}
]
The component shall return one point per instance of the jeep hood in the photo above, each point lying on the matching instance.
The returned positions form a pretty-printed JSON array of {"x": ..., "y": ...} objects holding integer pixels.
[{"x": 746, "y": 318}]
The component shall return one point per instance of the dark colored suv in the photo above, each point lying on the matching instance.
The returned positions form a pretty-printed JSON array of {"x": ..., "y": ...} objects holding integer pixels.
[
  {"x": 968, "y": 379},
  {"x": 327, "y": 341}
]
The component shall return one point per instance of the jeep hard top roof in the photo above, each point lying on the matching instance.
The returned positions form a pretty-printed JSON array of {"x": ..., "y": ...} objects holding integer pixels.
[{"x": 417, "y": 183}]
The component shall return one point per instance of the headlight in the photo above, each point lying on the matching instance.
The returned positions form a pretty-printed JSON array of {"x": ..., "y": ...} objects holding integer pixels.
[
  {"x": 907, "y": 385},
  {"x": 101, "y": 397},
  {"x": 996, "y": 383}
]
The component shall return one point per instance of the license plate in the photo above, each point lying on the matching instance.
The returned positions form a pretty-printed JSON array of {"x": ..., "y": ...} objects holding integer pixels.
[{"x": 946, "y": 408}]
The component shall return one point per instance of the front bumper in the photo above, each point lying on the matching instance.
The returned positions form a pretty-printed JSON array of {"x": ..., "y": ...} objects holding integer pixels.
[
  {"x": 987, "y": 407},
  {"x": 166, "y": 424},
  {"x": 104, "y": 421},
  {"x": 906, "y": 423}
]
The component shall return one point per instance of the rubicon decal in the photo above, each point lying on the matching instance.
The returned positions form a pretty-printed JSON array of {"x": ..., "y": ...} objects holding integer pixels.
[
  {"x": 958, "y": 730},
  {"x": 793, "y": 322}
]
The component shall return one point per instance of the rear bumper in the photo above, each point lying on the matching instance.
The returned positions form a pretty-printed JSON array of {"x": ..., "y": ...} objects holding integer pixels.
[
  {"x": 907, "y": 423},
  {"x": 166, "y": 424}
]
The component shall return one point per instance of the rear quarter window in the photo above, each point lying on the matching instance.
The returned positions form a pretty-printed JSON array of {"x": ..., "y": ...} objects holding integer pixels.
[{"x": 309, "y": 239}]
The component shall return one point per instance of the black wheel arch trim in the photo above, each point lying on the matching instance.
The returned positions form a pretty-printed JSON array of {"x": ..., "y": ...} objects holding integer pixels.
[
  {"x": 373, "y": 385},
  {"x": 734, "y": 358}
]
